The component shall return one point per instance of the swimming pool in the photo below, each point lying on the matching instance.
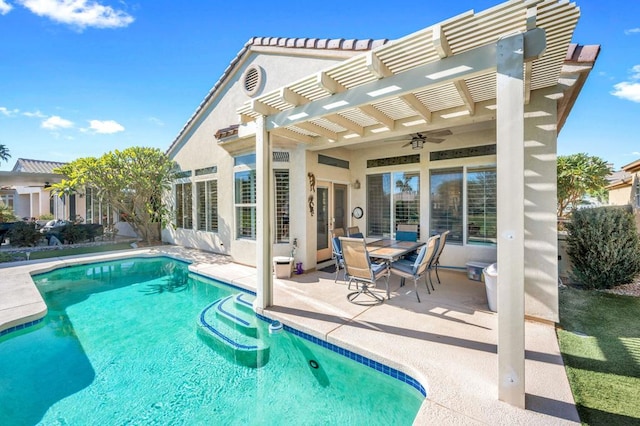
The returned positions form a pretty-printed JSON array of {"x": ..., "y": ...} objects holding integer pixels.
[{"x": 120, "y": 346}]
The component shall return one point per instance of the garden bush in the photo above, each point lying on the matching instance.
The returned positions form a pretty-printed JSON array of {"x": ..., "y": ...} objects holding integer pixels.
[
  {"x": 72, "y": 233},
  {"x": 604, "y": 247},
  {"x": 24, "y": 234}
]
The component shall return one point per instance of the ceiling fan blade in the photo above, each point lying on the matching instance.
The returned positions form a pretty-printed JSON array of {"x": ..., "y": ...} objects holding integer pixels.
[
  {"x": 445, "y": 132},
  {"x": 433, "y": 140},
  {"x": 406, "y": 144}
]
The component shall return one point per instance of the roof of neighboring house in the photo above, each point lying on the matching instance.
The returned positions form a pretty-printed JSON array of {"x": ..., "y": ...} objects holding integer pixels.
[
  {"x": 619, "y": 179},
  {"x": 632, "y": 167},
  {"x": 36, "y": 166}
]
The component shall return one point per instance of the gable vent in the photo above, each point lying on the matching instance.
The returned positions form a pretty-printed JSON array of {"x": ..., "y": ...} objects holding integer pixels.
[
  {"x": 280, "y": 157},
  {"x": 252, "y": 80}
]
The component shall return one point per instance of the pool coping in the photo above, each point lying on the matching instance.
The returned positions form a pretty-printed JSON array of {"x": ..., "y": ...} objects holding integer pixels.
[{"x": 453, "y": 355}]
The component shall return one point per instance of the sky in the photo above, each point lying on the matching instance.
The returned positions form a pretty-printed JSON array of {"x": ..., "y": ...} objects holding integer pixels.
[{"x": 81, "y": 78}]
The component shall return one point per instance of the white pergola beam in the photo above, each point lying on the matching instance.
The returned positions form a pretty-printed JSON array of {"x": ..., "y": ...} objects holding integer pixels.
[
  {"x": 292, "y": 98},
  {"x": 373, "y": 112},
  {"x": 290, "y": 134},
  {"x": 440, "y": 42},
  {"x": 346, "y": 123},
  {"x": 415, "y": 104},
  {"x": 376, "y": 66},
  {"x": 328, "y": 84},
  {"x": 465, "y": 94},
  {"x": 314, "y": 128},
  {"x": 467, "y": 64}
]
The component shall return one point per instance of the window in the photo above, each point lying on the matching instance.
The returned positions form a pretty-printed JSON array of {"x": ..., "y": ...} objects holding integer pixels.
[
  {"x": 392, "y": 199},
  {"x": 184, "y": 205},
  {"x": 481, "y": 206},
  {"x": 245, "y": 204},
  {"x": 207, "y": 196},
  {"x": 7, "y": 200},
  {"x": 281, "y": 178},
  {"x": 480, "y": 212},
  {"x": 446, "y": 203}
]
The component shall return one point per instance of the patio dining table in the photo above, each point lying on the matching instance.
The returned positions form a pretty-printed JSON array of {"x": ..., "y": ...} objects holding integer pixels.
[{"x": 390, "y": 250}]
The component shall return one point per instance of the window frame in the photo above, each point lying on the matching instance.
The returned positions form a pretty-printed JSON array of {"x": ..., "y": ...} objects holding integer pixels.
[
  {"x": 207, "y": 219},
  {"x": 389, "y": 216}
]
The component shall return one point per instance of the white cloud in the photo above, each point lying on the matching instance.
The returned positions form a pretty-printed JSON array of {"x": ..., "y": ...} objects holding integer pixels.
[
  {"x": 79, "y": 13},
  {"x": 36, "y": 114},
  {"x": 632, "y": 31},
  {"x": 629, "y": 90},
  {"x": 105, "y": 127},
  {"x": 56, "y": 122},
  {"x": 8, "y": 112},
  {"x": 5, "y": 7},
  {"x": 156, "y": 121}
]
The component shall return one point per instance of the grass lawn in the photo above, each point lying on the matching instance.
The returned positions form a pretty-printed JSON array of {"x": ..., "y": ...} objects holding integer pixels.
[
  {"x": 599, "y": 338},
  {"x": 46, "y": 254}
]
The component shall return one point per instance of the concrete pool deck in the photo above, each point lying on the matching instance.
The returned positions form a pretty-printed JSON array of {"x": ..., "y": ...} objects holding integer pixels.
[{"x": 448, "y": 342}]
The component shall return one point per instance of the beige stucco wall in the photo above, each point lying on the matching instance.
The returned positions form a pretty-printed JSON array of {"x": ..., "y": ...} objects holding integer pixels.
[
  {"x": 620, "y": 196},
  {"x": 199, "y": 149},
  {"x": 541, "y": 241}
]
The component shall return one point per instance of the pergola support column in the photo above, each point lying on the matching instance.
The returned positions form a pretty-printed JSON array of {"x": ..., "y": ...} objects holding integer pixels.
[
  {"x": 264, "y": 286},
  {"x": 510, "y": 209}
]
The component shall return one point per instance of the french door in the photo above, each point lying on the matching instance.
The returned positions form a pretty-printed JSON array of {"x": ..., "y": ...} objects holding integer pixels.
[{"x": 331, "y": 213}]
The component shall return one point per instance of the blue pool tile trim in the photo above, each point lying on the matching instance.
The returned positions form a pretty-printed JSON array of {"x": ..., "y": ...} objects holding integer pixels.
[
  {"x": 389, "y": 371},
  {"x": 21, "y": 326},
  {"x": 236, "y": 318},
  {"x": 212, "y": 329}
]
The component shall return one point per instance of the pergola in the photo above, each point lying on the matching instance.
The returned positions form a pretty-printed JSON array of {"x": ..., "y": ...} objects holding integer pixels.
[{"x": 470, "y": 69}]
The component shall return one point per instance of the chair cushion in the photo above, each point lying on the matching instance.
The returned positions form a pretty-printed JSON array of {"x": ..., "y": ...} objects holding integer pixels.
[
  {"x": 403, "y": 265},
  {"x": 378, "y": 268},
  {"x": 406, "y": 236},
  {"x": 356, "y": 235}
]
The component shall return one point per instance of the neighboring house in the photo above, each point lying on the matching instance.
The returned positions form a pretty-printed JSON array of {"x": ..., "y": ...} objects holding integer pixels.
[
  {"x": 454, "y": 126},
  {"x": 26, "y": 188},
  {"x": 624, "y": 188}
]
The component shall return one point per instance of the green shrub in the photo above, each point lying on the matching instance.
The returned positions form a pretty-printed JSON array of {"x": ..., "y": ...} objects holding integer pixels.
[
  {"x": 73, "y": 233},
  {"x": 24, "y": 234},
  {"x": 46, "y": 216},
  {"x": 604, "y": 247}
]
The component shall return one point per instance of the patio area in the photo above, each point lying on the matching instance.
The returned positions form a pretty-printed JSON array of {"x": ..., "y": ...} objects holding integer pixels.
[{"x": 448, "y": 342}]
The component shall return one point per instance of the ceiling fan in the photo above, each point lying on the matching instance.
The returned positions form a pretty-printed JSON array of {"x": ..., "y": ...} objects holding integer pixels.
[{"x": 418, "y": 140}]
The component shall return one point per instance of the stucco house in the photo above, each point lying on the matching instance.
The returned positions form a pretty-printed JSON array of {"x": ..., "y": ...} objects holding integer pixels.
[
  {"x": 26, "y": 188},
  {"x": 451, "y": 127},
  {"x": 624, "y": 188}
]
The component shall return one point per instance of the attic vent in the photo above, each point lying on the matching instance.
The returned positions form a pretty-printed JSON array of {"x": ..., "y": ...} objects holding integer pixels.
[
  {"x": 280, "y": 157},
  {"x": 253, "y": 80}
]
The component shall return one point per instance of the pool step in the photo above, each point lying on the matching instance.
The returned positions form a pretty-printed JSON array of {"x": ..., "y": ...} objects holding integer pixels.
[{"x": 230, "y": 326}]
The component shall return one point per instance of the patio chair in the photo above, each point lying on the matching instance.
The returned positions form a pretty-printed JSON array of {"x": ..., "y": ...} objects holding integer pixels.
[
  {"x": 360, "y": 269},
  {"x": 354, "y": 232},
  {"x": 418, "y": 268},
  {"x": 407, "y": 232},
  {"x": 436, "y": 257},
  {"x": 338, "y": 232},
  {"x": 337, "y": 256}
]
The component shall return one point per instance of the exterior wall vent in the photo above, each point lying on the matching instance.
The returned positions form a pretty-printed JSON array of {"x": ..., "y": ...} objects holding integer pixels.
[
  {"x": 253, "y": 80},
  {"x": 475, "y": 151},
  {"x": 280, "y": 157}
]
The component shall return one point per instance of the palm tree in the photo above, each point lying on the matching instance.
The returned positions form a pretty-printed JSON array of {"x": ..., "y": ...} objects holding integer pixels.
[{"x": 4, "y": 153}]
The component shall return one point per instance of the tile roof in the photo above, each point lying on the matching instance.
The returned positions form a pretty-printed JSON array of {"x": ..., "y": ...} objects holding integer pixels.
[{"x": 35, "y": 166}]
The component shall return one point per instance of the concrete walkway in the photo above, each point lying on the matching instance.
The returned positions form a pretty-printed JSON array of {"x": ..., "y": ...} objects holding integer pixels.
[{"x": 448, "y": 342}]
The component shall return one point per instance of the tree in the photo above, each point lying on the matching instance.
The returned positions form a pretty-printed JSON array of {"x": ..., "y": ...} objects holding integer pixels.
[
  {"x": 4, "y": 153},
  {"x": 579, "y": 175},
  {"x": 133, "y": 181}
]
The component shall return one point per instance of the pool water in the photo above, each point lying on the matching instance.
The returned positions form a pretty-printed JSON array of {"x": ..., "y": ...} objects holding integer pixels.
[{"x": 119, "y": 346}]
